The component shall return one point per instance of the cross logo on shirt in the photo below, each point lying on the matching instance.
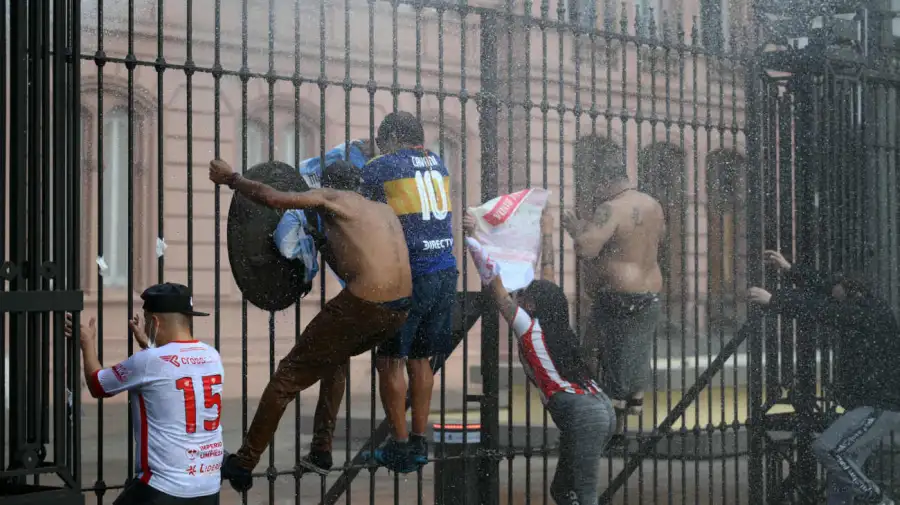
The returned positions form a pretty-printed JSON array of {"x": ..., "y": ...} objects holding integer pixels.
[
  {"x": 171, "y": 359},
  {"x": 192, "y": 470}
]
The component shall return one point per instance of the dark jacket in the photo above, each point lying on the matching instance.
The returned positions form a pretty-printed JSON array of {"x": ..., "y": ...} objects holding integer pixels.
[{"x": 867, "y": 346}]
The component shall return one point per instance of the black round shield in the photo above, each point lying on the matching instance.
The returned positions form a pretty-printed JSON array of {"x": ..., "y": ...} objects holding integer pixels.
[{"x": 267, "y": 279}]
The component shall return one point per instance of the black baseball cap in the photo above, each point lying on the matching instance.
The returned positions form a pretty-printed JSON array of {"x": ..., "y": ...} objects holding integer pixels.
[{"x": 170, "y": 298}]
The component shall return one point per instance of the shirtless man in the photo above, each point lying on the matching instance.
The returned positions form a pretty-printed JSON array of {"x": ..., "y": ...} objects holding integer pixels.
[
  {"x": 366, "y": 248},
  {"x": 618, "y": 247}
]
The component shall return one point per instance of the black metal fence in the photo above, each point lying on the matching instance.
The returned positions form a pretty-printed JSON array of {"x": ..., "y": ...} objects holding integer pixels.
[{"x": 115, "y": 108}]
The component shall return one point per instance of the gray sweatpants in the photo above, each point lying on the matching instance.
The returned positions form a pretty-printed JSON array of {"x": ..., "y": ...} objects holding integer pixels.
[
  {"x": 842, "y": 449},
  {"x": 585, "y": 424}
]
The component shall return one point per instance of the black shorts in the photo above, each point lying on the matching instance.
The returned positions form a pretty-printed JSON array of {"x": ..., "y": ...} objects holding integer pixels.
[{"x": 138, "y": 493}]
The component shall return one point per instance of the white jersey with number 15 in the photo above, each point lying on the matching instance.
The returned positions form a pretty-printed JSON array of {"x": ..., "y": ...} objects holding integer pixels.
[{"x": 176, "y": 393}]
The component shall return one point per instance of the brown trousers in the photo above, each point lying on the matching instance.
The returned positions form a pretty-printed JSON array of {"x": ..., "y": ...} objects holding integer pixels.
[{"x": 346, "y": 326}]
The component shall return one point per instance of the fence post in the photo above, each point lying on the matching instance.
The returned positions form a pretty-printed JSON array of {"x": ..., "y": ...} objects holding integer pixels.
[
  {"x": 805, "y": 379},
  {"x": 489, "y": 466},
  {"x": 756, "y": 432}
]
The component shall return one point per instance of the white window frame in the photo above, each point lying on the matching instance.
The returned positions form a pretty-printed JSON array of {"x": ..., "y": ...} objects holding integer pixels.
[
  {"x": 288, "y": 149},
  {"x": 115, "y": 202},
  {"x": 257, "y": 134}
]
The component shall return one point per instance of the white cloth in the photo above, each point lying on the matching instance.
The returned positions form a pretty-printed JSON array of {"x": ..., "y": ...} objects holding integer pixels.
[
  {"x": 176, "y": 393},
  {"x": 508, "y": 229}
]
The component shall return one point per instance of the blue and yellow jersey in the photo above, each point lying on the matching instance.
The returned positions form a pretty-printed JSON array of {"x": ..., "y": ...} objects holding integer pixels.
[{"x": 416, "y": 184}]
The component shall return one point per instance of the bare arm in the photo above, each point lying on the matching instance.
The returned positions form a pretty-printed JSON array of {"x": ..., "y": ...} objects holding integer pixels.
[
  {"x": 547, "y": 256},
  {"x": 505, "y": 304},
  {"x": 591, "y": 236},
  {"x": 271, "y": 197}
]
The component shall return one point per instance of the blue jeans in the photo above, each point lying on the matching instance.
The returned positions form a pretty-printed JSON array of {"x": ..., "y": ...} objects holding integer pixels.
[
  {"x": 585, "y": 424},
  {"x": 428, "y": 330}
]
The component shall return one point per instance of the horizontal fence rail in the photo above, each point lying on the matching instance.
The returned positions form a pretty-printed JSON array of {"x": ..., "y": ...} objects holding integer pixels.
[{"x": 115, "y": 109}]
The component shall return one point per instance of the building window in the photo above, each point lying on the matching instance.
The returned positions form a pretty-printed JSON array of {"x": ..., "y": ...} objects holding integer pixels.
[
  {"x": 714, "y": 25},
  {"x": 257, "y": 143},
  {"x": 115, "y": 198},
  {"x": 293, "y": 145},
  {"x": 582, "y": 13},
  {"x": 725, "y": 250},
  {"x": 661, "y": 170},
  {"x": 288, "y": 148}
]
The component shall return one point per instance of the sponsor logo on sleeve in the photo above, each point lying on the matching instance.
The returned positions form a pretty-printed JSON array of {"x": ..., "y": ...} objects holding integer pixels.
[{"x": 120, "y": 372}]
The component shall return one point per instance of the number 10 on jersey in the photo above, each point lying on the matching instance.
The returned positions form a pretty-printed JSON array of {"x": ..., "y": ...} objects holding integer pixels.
[{"x": 432, "y": 195}]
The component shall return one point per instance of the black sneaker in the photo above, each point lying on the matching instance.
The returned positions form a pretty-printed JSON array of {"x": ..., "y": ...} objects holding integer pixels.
[
  {"x": 418, "y": 446},
  {"x": 396, "y": 457},
  {"x": 319, "y": 462},
  {"x": 239, "y": 477}
]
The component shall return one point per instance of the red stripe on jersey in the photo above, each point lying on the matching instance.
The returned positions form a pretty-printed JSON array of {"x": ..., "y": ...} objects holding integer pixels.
[
  {"x": 95, "y": 387},
  {"x": 547, "y": 377},
  {"x": 145, "y": 456}
]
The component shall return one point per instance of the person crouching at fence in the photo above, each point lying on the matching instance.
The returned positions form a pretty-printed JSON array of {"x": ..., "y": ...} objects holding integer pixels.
[
  {"x": 365, "y": 246},
  {"x": 866, "y": 376},
  {"x": 553, "y": 361},
  {"x": 175, "y": 385}
]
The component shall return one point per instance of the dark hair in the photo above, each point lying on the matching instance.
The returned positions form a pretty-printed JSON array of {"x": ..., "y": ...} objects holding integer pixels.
[
  {"x": 551, "y": 309},
  {"x": 601, "y": 158},
  {"x": 342, "y": 175},
  {"x": 853, "y": 282},
  {"x": 402, "y": 125}
]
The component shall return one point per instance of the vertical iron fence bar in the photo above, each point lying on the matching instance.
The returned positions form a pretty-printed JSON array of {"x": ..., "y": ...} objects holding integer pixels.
[
  {"x": 100, "y": 62},
  {"x": 34, "y": 401},
  {"x": 544, "y": 23},
  {"x": 640, "y": 28},
  {"x": 130, "y": 65},
  {"x": 755, "y": 427},
  {"x": 654, "y": 412},
  {"x": 528, "y": 106},
  {"x": 463, "y": 103},
  {"x": 323, "y": 267},
  {"x": 561, "y": 29},
  {"x": 371, "y": 86},
  {"x": 244, "y": 75},
  {"x": 682, "y": 219},
  {"x": 769, "y": 230},
  {"x": 160, "y": 139},
  {"x": 667, "y": 248},
  {"x": 298, "y": 321},
  {"x": 18, "y": 137},
  {"x": 510, "y": 97},
  {"x": 739, "y": 200},
  {"x": 348, "y": 87},
  {"x": 441, "y": 98},
  {"x": 708, "y": 61},
  {"x": 61, "y": 439},
  {"x": 695, "y": 205},
  {"x": 48, "y": 280},
  {"x": 217, "y": 190},
  {"x": 805, "y": 380},
  {"x": 5, "y": 191},
  {"x": 74, "y": 226},
  {"x": 189, "y": 69},
  {"x": 490, "y": 327},
  {"x": 271, "y": 473},
  {"x": 418, "y": 91}
]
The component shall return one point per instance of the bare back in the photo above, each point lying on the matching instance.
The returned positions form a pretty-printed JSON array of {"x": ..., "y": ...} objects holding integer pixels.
[
  {"x": 366, "y": 248},
  {"x": 629, "y": 261}
]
